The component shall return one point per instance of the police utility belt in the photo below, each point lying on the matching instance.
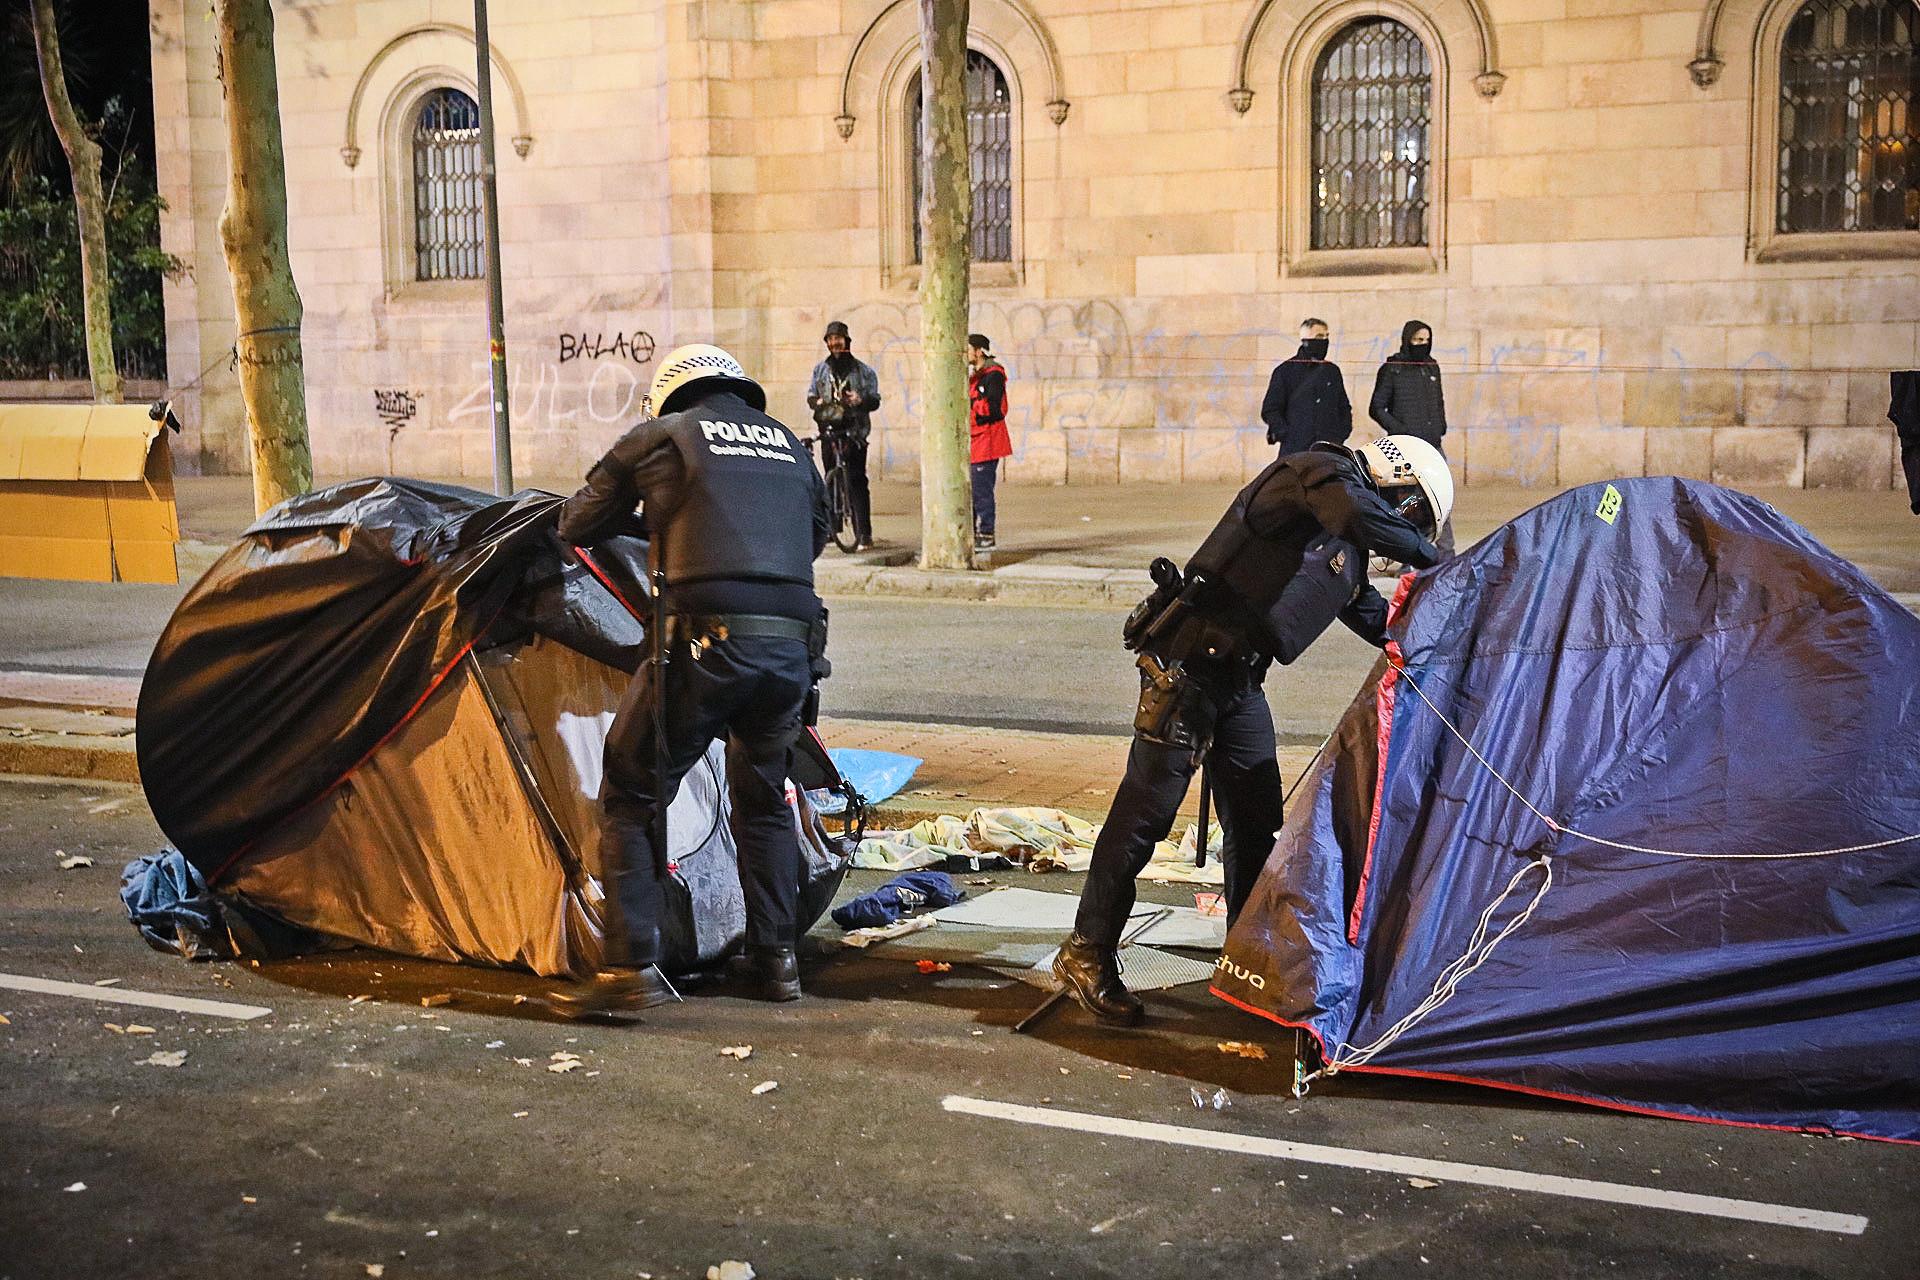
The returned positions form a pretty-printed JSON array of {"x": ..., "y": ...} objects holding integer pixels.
[
  {"x": 1176, "y": 633},
  {"x": 701, "y": 631}
]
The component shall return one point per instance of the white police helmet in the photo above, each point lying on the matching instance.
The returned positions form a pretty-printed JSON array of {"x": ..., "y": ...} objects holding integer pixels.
[
  {"x": 698, "y": 362},
  {"x": 1413, "y": 477}
]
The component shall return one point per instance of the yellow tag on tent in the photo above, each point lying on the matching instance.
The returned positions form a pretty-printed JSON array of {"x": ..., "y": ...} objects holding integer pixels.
[{"x": 1609, "y": 504}]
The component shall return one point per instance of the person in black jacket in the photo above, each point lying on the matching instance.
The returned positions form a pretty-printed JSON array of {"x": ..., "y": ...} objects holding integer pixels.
[
  {"x": 1904, "y": 412},
  {"x": 1408, "y": 399},
  {"x": 1306, "y": 401},
  {"x": 735, "y": 513},
  {"x": 1289, "y": 557}
]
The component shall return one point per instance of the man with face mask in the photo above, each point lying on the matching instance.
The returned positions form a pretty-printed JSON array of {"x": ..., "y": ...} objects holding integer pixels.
[
  {"x": 1306, "y": 402},
  {"x": 1407, "y": 399}
]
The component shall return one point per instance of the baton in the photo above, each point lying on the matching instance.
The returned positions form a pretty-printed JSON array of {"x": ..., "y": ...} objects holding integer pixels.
[
  {"x": 659, "y": 583},
  {"x": 1206, "y": 794},
  {"x": 1046, "y": 1006}
]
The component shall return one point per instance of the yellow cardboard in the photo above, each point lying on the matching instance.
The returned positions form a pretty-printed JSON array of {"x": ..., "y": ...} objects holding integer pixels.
[{"x": 86, "y": 492}]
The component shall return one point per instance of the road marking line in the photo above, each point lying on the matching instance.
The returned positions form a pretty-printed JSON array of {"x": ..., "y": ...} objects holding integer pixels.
[
  {"x": 1413, "y": 1166},
  {"x": 147, "y": 999}
]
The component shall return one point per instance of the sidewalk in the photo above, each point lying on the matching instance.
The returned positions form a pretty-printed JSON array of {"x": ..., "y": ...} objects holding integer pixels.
[{"x": 1089, "y": 545}]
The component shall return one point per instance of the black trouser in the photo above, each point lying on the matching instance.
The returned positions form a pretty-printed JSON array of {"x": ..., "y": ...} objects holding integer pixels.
[
  {"x": 853, "y": 455},
  {"x": 750, "y": 688},
  {"x": 1246, "y": 789}
]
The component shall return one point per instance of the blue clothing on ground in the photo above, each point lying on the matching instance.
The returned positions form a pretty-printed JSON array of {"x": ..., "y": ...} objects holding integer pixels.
[{"x": 905, "y": 893}]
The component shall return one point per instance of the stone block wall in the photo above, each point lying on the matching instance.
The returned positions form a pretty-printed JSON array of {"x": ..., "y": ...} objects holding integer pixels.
[{"x": 1597, "y": 309}]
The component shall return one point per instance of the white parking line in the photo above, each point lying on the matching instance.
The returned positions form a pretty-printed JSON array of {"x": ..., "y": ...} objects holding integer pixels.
[
  {"x": 120, "y": 995},
  {"x": 1412, "y": 1166}
]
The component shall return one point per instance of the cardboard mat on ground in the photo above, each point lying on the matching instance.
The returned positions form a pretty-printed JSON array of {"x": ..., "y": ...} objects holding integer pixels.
[{"x": 86, "y": 493}]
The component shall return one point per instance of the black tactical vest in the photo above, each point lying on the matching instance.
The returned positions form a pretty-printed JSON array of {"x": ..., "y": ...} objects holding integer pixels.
[
  {"x": 1255, "y": 568},
  {"x": 746, "y": 508}
]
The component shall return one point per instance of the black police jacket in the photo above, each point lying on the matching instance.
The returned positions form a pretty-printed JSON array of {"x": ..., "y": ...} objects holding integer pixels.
[
  {"x": 730, "y": 495},
  {"x": 1306, "y": 404},
  {"x": 1290, "y": 555}
]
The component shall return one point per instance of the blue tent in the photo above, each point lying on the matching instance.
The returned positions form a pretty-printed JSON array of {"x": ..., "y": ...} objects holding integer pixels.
[{"x": 1658, "y": 668}]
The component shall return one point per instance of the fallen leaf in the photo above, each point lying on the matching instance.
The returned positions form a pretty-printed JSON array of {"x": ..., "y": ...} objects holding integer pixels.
[
  {"x": 76, "y": 1186},
  {"x": 137, "y": 1029},
  {"x": 169, "y": 1059},
  {"x": 1422, "y": 1183},
  {"x": 564, "y": 1064},
  {"x": 765, "y": 1086},
  {"x": 731, "y": 1270},
  {"x": 249, "y": 1200},
  {"x": 525, "y": 1062},
  {"x": 738, "y": 1052},
  {"x": 1245, "y": 1049},
  {"x": 5, "y": 1021},
  {"x": 437, "y": 999},
  {"x": 76, "y": 861},
  {"x": 115, "y": 1027},
  {"x": 376, "y": 1269},
  {"x": 933, "y": 966}
]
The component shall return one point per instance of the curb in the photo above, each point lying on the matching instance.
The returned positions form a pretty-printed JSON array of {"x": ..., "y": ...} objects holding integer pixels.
[
  {"x": 102, "y": 759},
  {"x": 1019, "y": 583}
]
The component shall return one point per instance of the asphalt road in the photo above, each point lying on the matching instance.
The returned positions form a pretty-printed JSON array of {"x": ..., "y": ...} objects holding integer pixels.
[
  {"x": 947, "y": 662},
  {"x": 334, "y": 1135}
]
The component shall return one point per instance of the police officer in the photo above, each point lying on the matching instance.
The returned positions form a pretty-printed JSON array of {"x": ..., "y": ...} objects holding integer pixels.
[
  {"x": 1288, "y": 558},
  {"x": 736, "y": 513}
]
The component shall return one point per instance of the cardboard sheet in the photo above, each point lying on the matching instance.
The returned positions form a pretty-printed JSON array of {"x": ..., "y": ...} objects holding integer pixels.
[
  {"x": 86, "y": 492},
  {"x": 1035, "y": 909}
]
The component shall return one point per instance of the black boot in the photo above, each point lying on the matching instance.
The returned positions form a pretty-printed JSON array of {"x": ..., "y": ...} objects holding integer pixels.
[
  {"x": 615, "y": 991},
  {"x": 1091, "y": 973},
  {"x": 770, "y": 973}
]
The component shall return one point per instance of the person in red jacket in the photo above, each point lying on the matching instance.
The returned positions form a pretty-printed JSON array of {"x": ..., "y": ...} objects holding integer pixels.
[{"x": 987, "y": 389}]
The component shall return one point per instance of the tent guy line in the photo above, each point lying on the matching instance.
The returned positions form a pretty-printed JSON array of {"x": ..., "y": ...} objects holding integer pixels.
[
  {"x": 1561, "y": 828},
  {"x": 1621, "y": 1193},
  {"x": 120, "y": 995}
]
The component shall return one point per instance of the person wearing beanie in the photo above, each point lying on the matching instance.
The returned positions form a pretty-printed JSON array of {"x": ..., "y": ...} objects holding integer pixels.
[{"x": 843, "y": 394}]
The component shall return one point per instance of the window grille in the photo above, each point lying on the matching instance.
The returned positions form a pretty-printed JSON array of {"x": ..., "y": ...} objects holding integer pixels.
[
  {"x": 1372, "y": 103},
  {"x": 989, "y": 156},
  {"x": 448, "y": 242},
  {"x": 1849, "y": 150}
]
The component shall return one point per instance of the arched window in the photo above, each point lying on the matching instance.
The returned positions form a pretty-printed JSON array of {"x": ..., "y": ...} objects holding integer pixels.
[
  {"x": 1372, "y": 104},
  {"x": 989, "y": 151},
  {"x": 1849, "y": 147},
  {"x": 448, "y": 243}
]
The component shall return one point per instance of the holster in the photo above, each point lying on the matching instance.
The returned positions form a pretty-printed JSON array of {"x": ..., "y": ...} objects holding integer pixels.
[
  {"x": 818, "y": 667},
  {"x": 1175, "y": 709}
]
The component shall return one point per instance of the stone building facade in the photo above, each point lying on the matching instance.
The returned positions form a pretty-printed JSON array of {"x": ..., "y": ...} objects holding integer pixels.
[{"x": 1582, "y": 197}]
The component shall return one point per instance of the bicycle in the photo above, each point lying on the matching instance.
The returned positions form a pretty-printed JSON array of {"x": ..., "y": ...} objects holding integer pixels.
[{"x": 839, "y": 488}]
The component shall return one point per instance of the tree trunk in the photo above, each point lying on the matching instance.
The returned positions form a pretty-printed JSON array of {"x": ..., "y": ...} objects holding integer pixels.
[
  {"x": 946, "y": 500},
  {"x": 90, "y": 206},
  {"x": 253, "y": 231}
]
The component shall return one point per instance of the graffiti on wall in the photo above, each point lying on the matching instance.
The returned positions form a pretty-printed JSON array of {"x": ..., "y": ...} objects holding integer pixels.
[
  {"x": 636, "y": 346},
  {"x": 396, "y": 408}
]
